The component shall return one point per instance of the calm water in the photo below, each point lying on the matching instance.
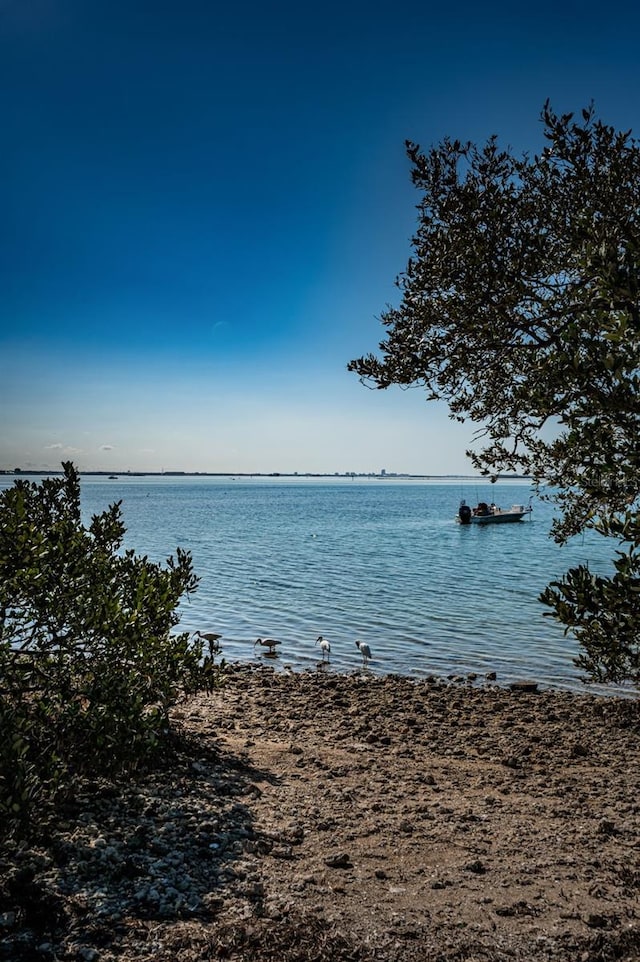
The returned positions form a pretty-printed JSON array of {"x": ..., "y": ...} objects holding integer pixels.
[{"x": 378, "y": 560}]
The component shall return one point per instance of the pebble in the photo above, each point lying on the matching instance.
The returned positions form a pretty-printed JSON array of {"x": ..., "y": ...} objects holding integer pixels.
[{"x": 338, "y": 861}]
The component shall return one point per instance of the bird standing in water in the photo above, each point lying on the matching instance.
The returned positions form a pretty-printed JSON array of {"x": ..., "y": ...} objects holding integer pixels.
[
  {"x": 269, "y": 643},
  {"x": 325, "y": 647},
  {"x": 212, "y": 640},
  {"x": 365, "y": 651}
]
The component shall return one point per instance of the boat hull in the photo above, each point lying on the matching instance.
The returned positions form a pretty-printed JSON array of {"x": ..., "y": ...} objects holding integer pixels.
[
  {"x": 491, "y": 514},
  {"x": 505, "y": 517}
]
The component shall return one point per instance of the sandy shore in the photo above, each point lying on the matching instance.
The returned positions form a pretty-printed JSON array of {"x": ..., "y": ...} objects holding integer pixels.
[{"x": 315, "y": 816}]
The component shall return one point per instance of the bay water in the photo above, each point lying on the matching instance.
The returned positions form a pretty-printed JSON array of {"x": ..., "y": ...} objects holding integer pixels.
[{"x": 380, "y": 560}]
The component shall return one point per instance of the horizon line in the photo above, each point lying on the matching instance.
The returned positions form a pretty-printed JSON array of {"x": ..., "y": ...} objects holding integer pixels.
[{"x": 116, "y": 475}]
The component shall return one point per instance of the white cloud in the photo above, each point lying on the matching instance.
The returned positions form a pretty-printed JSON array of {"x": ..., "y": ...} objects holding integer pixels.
[
  {"x": 106, "y": 447},
  {"x": 64, "y": 448}
]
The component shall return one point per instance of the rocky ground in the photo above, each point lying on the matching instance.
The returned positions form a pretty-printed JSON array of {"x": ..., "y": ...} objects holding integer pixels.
[{"x": 315, "y": 816}]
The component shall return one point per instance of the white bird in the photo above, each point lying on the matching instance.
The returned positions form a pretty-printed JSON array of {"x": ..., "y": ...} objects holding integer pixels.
[
  {"x": 269, "y": 643},
  {"x": 325, "y": 647},
  {"x": 212, "y": 639},
  {"x": 365, "y": 651}
]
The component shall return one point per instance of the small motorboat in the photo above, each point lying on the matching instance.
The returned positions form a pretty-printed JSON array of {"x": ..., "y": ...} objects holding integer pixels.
[{"x": 491, "y": 513}]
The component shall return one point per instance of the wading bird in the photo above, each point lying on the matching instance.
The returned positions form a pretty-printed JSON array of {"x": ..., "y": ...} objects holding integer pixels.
[
  {"x": 365, "y": 651},
  {"x": 325, "y": 647},
  {"x": 212, "y": 640},
  {"x": 269, "y": 643}
]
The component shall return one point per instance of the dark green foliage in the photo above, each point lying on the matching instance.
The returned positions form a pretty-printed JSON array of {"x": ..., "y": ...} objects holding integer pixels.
[
  {"x": 88, "y": 666},
  {"x": 521, "y": 309},
  {"x": 604, "y": 611}
]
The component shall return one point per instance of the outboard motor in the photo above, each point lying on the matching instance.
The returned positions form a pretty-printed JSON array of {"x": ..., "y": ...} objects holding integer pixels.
[{"x": 464, "y": 513}]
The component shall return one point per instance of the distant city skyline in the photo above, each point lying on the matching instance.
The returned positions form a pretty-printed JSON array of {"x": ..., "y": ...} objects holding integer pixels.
[{"x": 205, "y": 208}]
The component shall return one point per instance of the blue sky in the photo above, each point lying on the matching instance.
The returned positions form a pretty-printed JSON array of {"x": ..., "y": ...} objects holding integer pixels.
[{"x": 204, "y": 208}]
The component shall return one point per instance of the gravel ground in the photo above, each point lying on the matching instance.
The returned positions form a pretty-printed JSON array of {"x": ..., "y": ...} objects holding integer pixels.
[{"x": 317, "y": 816}]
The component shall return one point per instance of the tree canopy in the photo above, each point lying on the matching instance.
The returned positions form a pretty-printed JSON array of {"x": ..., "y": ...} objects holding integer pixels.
[{"x": 520, "y": 308}]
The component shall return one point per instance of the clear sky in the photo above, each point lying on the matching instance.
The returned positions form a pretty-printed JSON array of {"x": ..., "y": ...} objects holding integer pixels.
[{"x": 204, "y": 206}]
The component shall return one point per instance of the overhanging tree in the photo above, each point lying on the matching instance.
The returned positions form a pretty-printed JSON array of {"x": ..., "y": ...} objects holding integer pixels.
[{"x": 520, "y": 308}]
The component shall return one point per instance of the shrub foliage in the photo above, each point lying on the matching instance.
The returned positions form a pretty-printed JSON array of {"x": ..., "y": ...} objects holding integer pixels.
[{"x": 89, "y": 667}]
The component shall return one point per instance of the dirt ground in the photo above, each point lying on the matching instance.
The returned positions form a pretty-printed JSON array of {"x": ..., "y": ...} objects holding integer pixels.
[{"x": 315, "y": 816}]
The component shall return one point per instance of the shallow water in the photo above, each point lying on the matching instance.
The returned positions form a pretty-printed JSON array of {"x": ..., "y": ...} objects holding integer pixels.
[
  {"x": 382, "y": 561},
  {"x": 379, "y": 560}
]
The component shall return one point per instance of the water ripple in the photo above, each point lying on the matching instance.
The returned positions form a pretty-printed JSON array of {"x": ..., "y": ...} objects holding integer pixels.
[{"x": 384, "y": 562}]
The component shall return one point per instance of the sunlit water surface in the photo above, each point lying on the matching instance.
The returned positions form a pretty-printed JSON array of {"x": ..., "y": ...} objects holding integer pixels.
[{"x": 382, "y": 561}]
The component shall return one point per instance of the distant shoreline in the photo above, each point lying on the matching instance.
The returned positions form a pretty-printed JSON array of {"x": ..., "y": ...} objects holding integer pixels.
[{"x": 348, "y": 475}]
